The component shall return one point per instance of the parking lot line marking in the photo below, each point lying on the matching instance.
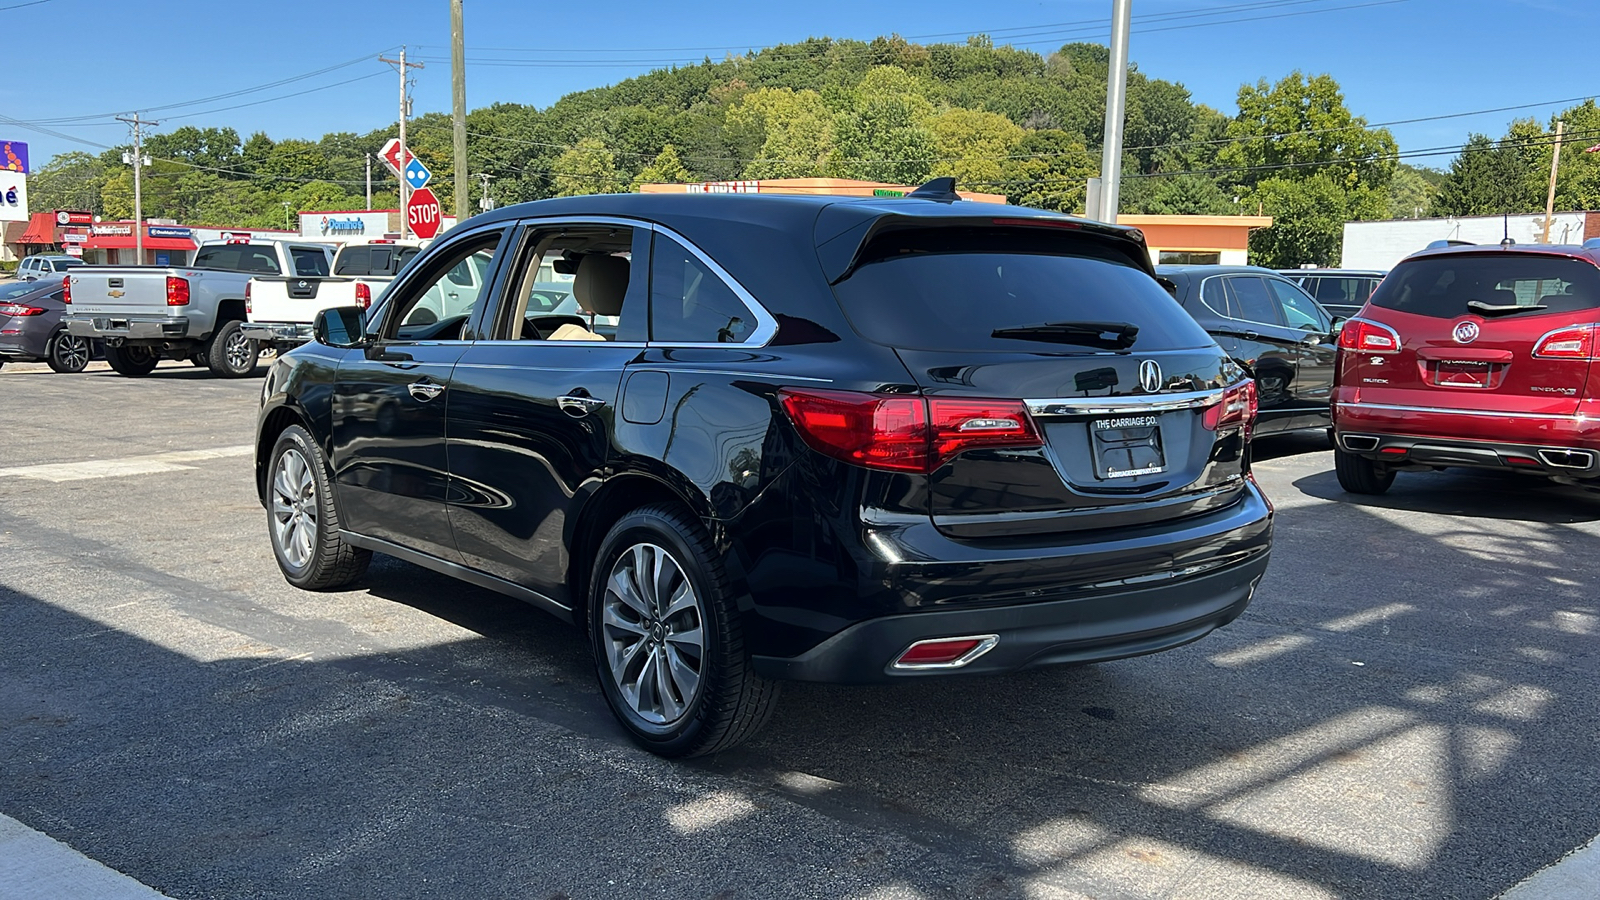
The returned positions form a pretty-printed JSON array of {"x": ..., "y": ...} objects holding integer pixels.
[
  {"x": 1574, "y": 875},
  {"x": 36, "y": 866},
  {"x": 154, "y": 463}
]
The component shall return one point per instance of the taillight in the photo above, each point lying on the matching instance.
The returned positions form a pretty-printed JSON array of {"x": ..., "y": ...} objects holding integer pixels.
[
  {"x": 19, "y": 309},
  {"x": 66, "y": 290},
  {"x": 363, "y": 296},
  {"x": 177, "y": 291},
  {"x": 249, "y": 304},
  {"x": 1369, "y": 337},
  {"x": 905, "y": 434},
  {"x": 1238, "y": 407},
  {"x": 1574, "y": 342}
]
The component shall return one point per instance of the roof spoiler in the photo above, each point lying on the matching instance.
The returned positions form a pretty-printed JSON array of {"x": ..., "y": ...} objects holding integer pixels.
[
  {"x": 941, "y": 190},
  {"x": 1447, "y": 242}
]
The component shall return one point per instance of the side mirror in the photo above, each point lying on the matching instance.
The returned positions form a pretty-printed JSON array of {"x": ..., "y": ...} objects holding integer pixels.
[
  {"x": 1338, "y": 325},
  {"x": 341, "y": 326}
]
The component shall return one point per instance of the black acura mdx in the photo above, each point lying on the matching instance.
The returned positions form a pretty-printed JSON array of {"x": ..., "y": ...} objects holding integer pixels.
[{"x": 814, "y": 438}]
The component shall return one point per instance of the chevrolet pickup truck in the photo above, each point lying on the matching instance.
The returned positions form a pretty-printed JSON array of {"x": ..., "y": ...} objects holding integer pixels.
[
  {"x": 149, "y": 313},
  {"x": 281, "y": 308}
]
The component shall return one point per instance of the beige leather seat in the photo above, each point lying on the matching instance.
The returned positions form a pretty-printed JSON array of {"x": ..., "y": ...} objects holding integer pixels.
[{"x": 598, "y": 287}]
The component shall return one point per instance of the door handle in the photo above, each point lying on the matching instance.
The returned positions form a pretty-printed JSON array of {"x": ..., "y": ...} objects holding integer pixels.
[
  {"x": 1251, "y": 336},
  {"x": 424, "y": 391},
  {"x": 578, "y": 406}
]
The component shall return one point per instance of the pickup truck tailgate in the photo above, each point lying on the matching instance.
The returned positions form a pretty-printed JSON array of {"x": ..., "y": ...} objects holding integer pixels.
[
  {"x": 100, "y": 291},
  {"x": 296, "y": 299}
]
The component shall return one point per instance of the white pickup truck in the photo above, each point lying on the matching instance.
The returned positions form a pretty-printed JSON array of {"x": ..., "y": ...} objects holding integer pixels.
[
  {"x": 280, "y": 309},
  {"x": 149, "y": 313}
]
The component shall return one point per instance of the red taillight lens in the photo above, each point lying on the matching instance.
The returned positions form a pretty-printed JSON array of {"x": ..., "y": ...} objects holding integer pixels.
[
  {"x": 1238, "y": 408},
  {"x": 1369, "y": 337},
  {"x": 1577, "y": 342},
  {"x": 178, "y": 291},
  {"x": 66, "y": 290},
  {"x": 905, "y": 434},
  {"x": 363, "y": 296},
  {"x": 249, "y": 304},
  {"x": 18, "y": 309}
]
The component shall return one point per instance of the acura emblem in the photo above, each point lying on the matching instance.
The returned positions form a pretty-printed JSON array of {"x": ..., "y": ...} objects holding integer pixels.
[
  {"x": 1465, "y": 332},
  {"x": 1150, "y": 376}
]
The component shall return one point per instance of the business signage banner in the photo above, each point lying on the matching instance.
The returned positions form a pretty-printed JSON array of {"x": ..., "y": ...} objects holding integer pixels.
[
  {"x": 14, "y": 157},
  {"x": 344, "y": 225},
  {"x": 167, "y": 231},
  {"x": 724, "y": 187},
  {"x": 112, "y": 229},
  {"x": 73, "y": 237},
  {"x": 73, "y": 217},
  {"x": 13, "y": 196}
]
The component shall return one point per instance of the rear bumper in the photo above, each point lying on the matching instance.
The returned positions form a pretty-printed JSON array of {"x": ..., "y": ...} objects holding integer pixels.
[
  {"x": 135, "y": 328},
  {"x": 278, "y": 332},
  {"x": 1401, "y": 450},
  {"x": 1398, "y": 435}
]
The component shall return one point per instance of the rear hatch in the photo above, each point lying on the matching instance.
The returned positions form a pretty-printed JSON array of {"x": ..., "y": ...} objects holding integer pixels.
[
  {"x": 1136, "y": 416},
  {"x": 103, "y": 291},
  {"x": 1495, "y": 330}
]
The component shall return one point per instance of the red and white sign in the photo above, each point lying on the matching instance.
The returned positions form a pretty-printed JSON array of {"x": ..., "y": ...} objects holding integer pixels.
[
  {"x": 391, "y": 156},
  {"x": 724, "y": 187},
  {"x": 236, "y": 237},
  {"x": 423, "y": 213}
]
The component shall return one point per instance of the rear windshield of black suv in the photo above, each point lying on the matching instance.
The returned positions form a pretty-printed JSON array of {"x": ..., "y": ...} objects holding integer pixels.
[
  {"x": 950, "y": 288},
  {"x": 1443, "y": 286}
]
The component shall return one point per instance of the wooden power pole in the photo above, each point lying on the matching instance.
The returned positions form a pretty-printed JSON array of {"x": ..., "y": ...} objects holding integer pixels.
[
  {"x": 458, "y": 102},
  {"x": 1550, "y": 199},
  {"x": 402, "y": 66}
]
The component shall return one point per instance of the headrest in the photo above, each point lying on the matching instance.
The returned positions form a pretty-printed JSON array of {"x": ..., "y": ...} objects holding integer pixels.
[
  {"x": 1503, "y": 297},
  {"x": 601, "y": 283}
]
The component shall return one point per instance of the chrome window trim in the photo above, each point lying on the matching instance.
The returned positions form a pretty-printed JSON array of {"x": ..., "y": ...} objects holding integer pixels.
[
  {"x": 1262, "y": 275},
  {"x": 1095, "y": 406},
  {"x": 382, "y": 302},
  {"x": 1461, "y": 412}
]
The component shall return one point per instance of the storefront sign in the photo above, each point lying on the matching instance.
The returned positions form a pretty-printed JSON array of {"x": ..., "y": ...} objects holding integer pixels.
[
  {"x": 168, "y": 231},
  {"x": 14, "y": 157},
  {"x": 343, "y": 224},
  {"x": 112, "y": 229},
  {"x": 236, "y": 237},
  {"x": 74, "y": 250},
  {"x": 887, "y": 192},
  {"x": 352, "y": 225},
  {"x": 724, "y": 187},
  {"x": 73, "y": 237},
  {"x": 73, "y": 217},
  {"x": 13, "y": 196}
]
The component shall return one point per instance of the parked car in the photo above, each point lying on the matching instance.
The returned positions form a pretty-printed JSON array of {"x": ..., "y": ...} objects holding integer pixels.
[
  {"x": 1474, "y": 356},
  {"x": 1275, "y": 329},
  {"x": 31, "y": 329},
  {"x": 1341, "y": 292},
  {"x": 826, "y": 439},
  {"x": 197, "y": 312},
  {"x": 35, "y": 267},
  {"x": 279, "y": 308}
]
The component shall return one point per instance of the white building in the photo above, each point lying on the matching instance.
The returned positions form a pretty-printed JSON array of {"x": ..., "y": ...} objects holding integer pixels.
[{"x": 1379, "y": 245}]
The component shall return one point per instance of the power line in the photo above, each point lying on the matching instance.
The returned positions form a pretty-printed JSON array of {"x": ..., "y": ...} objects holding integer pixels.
[{"x": 279, "y": 97}]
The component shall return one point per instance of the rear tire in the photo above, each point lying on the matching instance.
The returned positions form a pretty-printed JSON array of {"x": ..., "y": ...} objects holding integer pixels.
[
  {"x": 1359, "y": 475},
  {"x": 230, "y": 354},
  {"x": 68, "y": 354},
  {"x": 302, "y": 521},
  {"x": 646, "y": 634},
  {"x": 133, "y": 362}
]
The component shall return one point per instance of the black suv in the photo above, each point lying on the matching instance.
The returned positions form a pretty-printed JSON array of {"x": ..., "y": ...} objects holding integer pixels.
[{"x": 785, "y": 438}]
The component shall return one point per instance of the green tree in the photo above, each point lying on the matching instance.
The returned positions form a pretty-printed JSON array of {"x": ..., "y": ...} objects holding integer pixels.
[
  {"x": 1049, "y": 170},
  {"x": 69, "y": 181},
  {"x": 666, "y": 168},
  {"x": 1485, "y": 178},
  {"x": 973, "y": 146},
  {"x": 1308, "y": 221},
  {"x": 790, "y": 132},
  {"x": 883, "y": 136},
  {"x": 588, "y": 168},
  {"x": 1410, "y": 194}
]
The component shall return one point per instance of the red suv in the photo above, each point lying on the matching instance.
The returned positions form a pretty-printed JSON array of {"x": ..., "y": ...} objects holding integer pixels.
[{"x": 1473, "y": 356}]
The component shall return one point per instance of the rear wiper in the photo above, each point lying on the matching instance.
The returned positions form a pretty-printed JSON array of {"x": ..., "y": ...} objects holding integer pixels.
[
  {"x": 1108, "y": 335},
  {"x": 1490, "y": 309}
]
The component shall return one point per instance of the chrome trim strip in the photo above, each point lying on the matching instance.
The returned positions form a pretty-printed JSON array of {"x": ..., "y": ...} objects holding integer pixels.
[
  {"x": 1458, "y": 412},
  {"x": 1094, "y": 406},
  {"x": 986, "y": 642}
]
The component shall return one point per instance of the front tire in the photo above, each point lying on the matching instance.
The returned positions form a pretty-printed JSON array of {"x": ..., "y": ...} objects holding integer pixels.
[
  {"x": 303, "y": 522},
  {"x": 668, "y": 642},
  {"x": 1359, "y": 475},
  {"x": 68, "y": 354},
  {"x": 230, "y": 354},
  {"x": 133, "y": 362}
]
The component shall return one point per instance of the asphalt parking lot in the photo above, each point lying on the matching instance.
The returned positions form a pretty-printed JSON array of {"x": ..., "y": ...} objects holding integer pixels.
[{"x": 1408, "y": 709}]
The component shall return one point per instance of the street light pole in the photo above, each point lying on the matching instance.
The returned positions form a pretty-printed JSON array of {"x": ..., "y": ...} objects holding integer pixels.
[{"x": 1116, "y": 112}]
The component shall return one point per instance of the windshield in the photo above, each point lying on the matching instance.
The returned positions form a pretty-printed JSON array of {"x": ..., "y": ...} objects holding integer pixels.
[
  {"x": 953, "y": 288},
  {"x": 1443, "y": 286}
]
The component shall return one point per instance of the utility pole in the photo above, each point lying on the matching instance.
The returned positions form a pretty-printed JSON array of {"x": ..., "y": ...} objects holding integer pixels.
[
  {"x": 139, "y": 162},
  {"x": 402, "y": 66},
  {"x": 484, "y": 201},
  {"x": 458, "y": 102},
  {"x": 369, "y": 182},
  {"x": 1550, "y": 199},
  {"x": 1116, "y": 106}
]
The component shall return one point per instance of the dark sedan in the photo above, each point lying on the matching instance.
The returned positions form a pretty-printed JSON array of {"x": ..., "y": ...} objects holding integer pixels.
[
  {"x": 1341, "y": 292},
  {"x": 805, "y": 438},
  {"x": 31, "y": 328},
  {"x": 1273, "y": 327}
]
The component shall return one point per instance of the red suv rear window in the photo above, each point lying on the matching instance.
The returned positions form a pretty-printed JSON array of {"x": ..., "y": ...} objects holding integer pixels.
[{"x": 1489, "y": 284}]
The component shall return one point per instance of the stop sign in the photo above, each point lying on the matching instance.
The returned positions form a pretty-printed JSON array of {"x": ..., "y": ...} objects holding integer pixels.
[{"x": 423, "y": 213}]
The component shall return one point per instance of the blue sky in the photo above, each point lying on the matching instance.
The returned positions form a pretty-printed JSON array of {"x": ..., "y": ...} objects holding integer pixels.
[{"x": 1396, "y": 59}]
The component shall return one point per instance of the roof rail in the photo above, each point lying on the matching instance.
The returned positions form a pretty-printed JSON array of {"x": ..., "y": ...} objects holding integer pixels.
[{"x": 942, "y": 190}]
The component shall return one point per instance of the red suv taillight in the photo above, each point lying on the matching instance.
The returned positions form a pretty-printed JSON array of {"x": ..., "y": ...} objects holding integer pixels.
[
  {"x": 177, "y": 291},
  {"x": 1238, "y": 407},
  {"x": 1369, "y": 337},
  {"x": 363, "y": 296},
  {"x": 66, "y": 290},
  {"x": 249, "y": 305},
  {"x": 1572, "y": 342},
  {"x": 905, "y": 434}
]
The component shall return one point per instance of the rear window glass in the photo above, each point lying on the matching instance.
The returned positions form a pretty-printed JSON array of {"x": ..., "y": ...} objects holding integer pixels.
[
  {"x": 949, "y": 288},
  {"x": 309, "y": 262},
  {"x": 1443, "y": 286},
  {"x": 373, "y": 260},
  {"x": 238, "y": 258}
]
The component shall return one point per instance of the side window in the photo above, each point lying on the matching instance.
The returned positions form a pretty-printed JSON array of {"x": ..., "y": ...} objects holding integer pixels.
[
  {"x": 1298, "y": 309},
  {"x": 259, "y": 260},
  {"x": 1214, "y": 294},
  {"x": 353, "y": 261},
  {"x": 1253, "y": 302},
  {"x": 308, "y": 261},
  {"x": 689, "y": 302},
  {"x": 578, "y": 282},
  {"x": 435, "y": 305}
]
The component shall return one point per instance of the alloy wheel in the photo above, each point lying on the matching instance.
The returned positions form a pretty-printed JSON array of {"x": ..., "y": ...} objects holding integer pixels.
[
  {"x": 294, "y": 508},
  {"x": 71, "y": 352},
  {"x": 653, "y": 634},
  {"x": 239, "y": 351}
]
